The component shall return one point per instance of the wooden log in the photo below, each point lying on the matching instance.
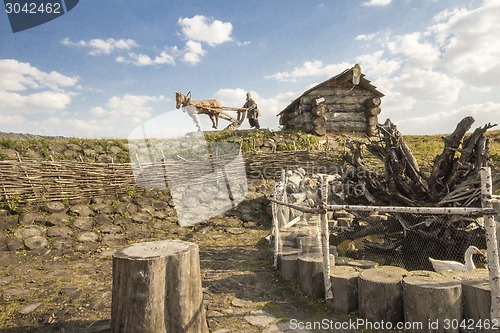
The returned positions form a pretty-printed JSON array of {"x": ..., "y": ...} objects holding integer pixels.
[
  {"x": 319, "y": 121},
  {"x": 319, "y": 110},
  {"x": 308, "y": 127},
  {"x": 372, "y": 102},
  {"x": 345, "y": 288},
  {"x": 371, "y": 131},
  {"x": 372, "y": 121},
  {"x": 430, "y": 297},
  {"x": 346, "y": 126},
  {"x": 305, "y": 117},
  {"x": 309, "y": 244},
  {"x": 305, "y": 108},
  {"x": 348, "y": 99},
  {"x": 380, "y": 294},
  {"x": 345, "y": 116},
  {"x": 289, "y": 267},
  {"x": 157, "y": 288},
  {"x": 338, "y": 91},
  {"x": 344, "y": 107},
  {"x": 443, "y": 163},
  {"x": 306, "y": 99},
  {"x": 375, "y": 111},
  {"x": 320, "y": 130},
  {"x": 311, "y": 274}
]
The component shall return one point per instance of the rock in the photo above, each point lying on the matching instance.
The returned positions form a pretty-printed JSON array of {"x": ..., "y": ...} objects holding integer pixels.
[
  {"x": 36, "y": 242},
  {"x": 103, "y": 220},
  {"x": 239, "y": 303},
  {"x": 63, "y": 232},
  {"x": 104, "y": 208},
  {"x": 112, "y": 240},
  {"x": 81, "y": 210},
  {"x": 7, "y": 222},
  {"x": 235, "y": 231},
  {"x": 11, "y": 294},
  {"x": 115, "y": 149},
  {"x": 54, "y": 207},
  {"x": 260, "y": 318},
  {"x": 62, "y": 244},
  {"x": 111, "y": 229},
  {"x": 72, "y": 293},
  {"x": 30, "y": 218},
  {"x": 83, "y": 223},
  {"x": 28, "y": 231},
  {"x": 29, "y": 308},
  {"x": 57, "y": 219},
  {"x": 14, "y": 244},
  {"x": 141, "y": 218},
  {"x": 87, "y": 236}
]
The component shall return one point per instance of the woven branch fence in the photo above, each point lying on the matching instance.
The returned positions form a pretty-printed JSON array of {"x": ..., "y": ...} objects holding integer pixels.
[{"x": 38, "y": 181}]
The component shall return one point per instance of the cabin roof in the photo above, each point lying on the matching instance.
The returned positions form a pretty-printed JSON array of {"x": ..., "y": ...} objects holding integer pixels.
[{"x": 336, "y": 80}]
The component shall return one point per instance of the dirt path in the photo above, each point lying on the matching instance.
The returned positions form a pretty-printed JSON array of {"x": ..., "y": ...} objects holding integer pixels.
[{"x": 70, "y": 291}]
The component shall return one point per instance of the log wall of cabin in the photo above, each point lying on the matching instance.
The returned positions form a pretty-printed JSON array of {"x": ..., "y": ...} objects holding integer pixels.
[{"x": 334, "y": 110}]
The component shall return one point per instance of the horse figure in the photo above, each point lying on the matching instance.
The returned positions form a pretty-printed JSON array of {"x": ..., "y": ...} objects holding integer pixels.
[{"x": 210, "y": 107}]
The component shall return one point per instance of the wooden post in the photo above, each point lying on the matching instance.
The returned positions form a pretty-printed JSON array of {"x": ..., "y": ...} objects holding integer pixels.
[
  {"x": 491, "y": 243},
  {"x": 325, "y": 241},
  {"x": 157, "y": 289}
]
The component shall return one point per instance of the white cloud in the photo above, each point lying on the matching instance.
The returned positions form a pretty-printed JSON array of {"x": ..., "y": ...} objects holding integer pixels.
[
  {"x": 376, "y": 3},
  {"x": 144, "y": 60},
  {"x": 482, "y": 113},
  {"x": 25, "y": 89},
  {"x": 20, "y": 76},
  {"x": 101, "y": 46},
  {"x": 470, "y": 44},
  {"x": 193, "y": 52},
  {"x": 363, "y": 37},
  {"x": 200, "y": 28},
  {"x": 314, "y": 68},
  {"x": 130, "y": 108},
  {"x": 197, "y": 30},
  {"x": 416, "y": 51}
]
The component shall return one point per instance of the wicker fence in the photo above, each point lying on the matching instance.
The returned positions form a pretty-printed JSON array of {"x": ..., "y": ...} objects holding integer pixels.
[{"x": 25, "y": 181}]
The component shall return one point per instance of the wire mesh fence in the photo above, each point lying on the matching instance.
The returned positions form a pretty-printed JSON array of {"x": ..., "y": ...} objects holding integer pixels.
[{"x": 398, "y": 264}]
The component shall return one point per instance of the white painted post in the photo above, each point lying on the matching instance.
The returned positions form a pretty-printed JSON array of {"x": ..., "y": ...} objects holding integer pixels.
[
  {"x": 491, "y": 243},
  {"x": 325, "y": 241}
]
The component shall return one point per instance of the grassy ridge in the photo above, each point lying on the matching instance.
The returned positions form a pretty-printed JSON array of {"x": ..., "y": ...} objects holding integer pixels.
[{"x": 424, "y": 147}]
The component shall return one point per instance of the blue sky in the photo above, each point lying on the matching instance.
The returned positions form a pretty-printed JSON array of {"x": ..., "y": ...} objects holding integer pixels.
[{"x": 106, "y": 67}]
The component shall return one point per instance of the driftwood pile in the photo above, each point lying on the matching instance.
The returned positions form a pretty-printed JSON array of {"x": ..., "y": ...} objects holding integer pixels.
[{"x": 452, "y": 181}]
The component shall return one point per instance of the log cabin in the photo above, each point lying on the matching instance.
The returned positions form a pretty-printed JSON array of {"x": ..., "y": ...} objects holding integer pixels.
[{"x": 345, "y": 103}]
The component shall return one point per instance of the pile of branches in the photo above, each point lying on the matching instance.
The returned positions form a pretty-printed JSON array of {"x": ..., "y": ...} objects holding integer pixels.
[{"x": 453, "y": 179}]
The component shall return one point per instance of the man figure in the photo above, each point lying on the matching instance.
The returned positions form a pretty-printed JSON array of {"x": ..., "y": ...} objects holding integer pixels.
[{"x": 252, "y": 112}]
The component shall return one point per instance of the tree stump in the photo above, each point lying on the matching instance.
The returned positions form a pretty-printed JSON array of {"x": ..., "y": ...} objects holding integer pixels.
[
  {"x": 157, "y": 288},
  {"x": 289, "y": 267},
  {"x": 476, "y": 295},
  {"x": 345, "y": 288},
  {"x": 311, "y": 274},
  {"x": 431, "y": 298},
  {"x": 380, "y": 294}
]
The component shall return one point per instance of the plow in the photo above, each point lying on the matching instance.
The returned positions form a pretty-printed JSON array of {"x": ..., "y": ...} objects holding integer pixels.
[{"x": 211, "y": 107}]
